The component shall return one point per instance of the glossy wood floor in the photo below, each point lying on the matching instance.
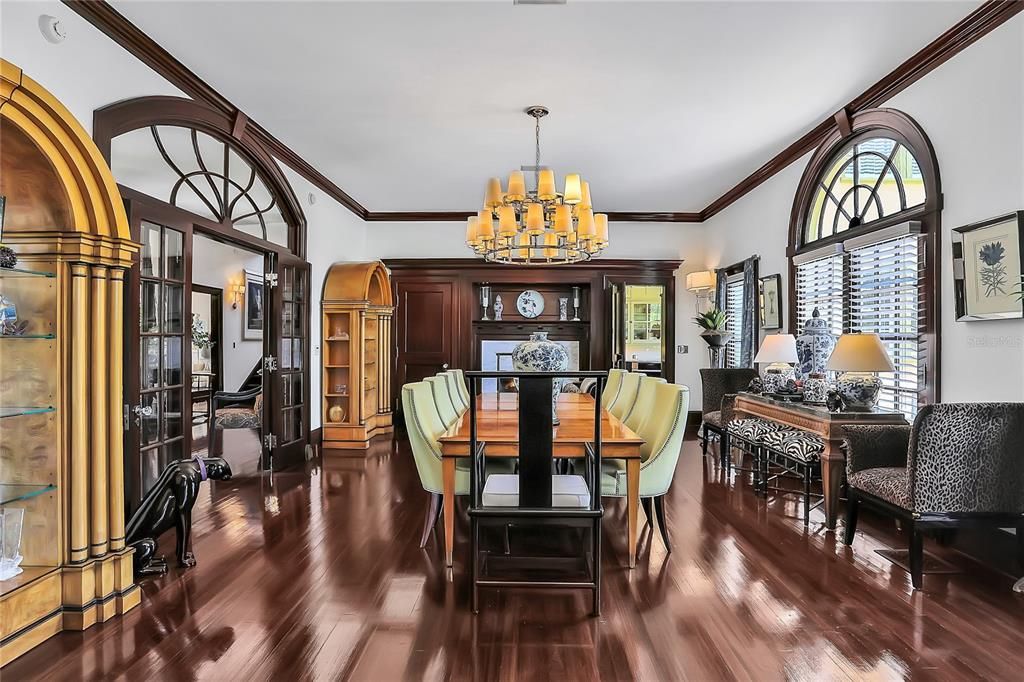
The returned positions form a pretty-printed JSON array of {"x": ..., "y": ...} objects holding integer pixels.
[{"x": 317, "y": 575}]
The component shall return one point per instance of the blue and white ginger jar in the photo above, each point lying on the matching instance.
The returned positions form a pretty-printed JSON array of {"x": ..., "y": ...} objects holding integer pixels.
[
  {"x": 542, "y": 355},
  {"x": 814, "y": 346}
]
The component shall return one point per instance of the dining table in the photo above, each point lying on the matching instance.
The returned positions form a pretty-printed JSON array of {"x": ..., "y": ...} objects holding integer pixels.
[{"x": 497, "y": 421}]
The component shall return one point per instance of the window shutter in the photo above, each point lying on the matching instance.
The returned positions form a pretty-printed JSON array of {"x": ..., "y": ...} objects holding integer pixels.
[
  {"x": 734, "y": 306},
  {"x": 819, "y": 284},
  {"x": 885, "y": 298}
]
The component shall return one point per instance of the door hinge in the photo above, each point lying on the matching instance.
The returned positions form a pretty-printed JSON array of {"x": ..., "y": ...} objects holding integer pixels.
[
  {"x": 125, "y": 416},
  {"x": 270, "y": 441},
  {"x": 271, "y": 279},
  {"x": 270, "y": 363}
]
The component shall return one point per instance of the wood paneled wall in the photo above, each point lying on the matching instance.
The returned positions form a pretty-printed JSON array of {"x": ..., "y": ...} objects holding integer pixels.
[{"x": 437, "y": 302}]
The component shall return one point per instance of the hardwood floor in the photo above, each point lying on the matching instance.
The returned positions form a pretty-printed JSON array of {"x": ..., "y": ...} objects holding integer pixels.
[{"x": 318, "y": 575}]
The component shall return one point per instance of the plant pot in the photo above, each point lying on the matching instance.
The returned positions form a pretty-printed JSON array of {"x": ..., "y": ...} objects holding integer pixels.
[{"x": 716, "y": 338}]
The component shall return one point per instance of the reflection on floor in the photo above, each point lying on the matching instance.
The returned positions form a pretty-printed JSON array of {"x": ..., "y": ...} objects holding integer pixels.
[{"x": 317, "y": 575}]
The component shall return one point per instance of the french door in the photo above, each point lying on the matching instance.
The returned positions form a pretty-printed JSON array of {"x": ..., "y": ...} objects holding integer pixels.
[
  {"x": 286, "y": 373},
  {"x": 157, "y": 383}
]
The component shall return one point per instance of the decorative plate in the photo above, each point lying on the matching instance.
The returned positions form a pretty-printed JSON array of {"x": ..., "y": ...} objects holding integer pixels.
[{"x": 530, "y": 304}]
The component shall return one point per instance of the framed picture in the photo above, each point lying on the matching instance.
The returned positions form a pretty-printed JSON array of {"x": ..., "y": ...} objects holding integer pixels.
[
  {"x": 771, "y": 301},
  {"x": 988, "y": 270},
  {"x": 255, "y": 306}
]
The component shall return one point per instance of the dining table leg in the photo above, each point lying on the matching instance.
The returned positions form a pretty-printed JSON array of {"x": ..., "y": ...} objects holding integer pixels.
[
  {"x": 448, "y": 470},
  {"x": 632, "y": 505}
]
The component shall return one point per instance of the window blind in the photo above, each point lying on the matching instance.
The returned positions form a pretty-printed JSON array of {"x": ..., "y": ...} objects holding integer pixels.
[
  {"x": 734, "y": 307},
  {"x": 819, "y": 284},
  {"x": 884, "y": 297}
]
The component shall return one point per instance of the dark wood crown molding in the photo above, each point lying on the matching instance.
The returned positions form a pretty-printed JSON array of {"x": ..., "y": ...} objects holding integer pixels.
[{"x": 979, "y": 23}]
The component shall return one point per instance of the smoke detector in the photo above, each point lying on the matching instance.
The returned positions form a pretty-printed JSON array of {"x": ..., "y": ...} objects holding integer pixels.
[{"x": 52, "y": 29}]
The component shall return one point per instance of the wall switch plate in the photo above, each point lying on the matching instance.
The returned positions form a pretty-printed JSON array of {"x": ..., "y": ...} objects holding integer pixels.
[{"x": 682, "y": 350}]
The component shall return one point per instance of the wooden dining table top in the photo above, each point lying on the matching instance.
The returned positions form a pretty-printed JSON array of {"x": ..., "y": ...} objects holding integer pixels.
[{"x": 497, "y": 423}]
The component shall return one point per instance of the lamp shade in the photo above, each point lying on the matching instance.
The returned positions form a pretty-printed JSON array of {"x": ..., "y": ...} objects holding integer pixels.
[
  {"x": 546, "y": 184},
  {"x": 573, "y": 191},
  {"x": 601, "y": 225},
  {"x": 493, "y": 197},
  {"x": 507, "y": 225},
  {"x": 563, "y": 219},
  {"x": 700, "y": 281},
  {"x": 777, "y": 348},
  {"x": 516, "y": 186},
  {"x": 585, "y": 195},
  {"x": 585, "y": 225},
  {"x": 551, "y": 244},
  {"x": 485, "y": 226},
  {"x": 534, "y": 219},
  {"x": 860, "y": 353},
  {"x": 471, "y": 230}
]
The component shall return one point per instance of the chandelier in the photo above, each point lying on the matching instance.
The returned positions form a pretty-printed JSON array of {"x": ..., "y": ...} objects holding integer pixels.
[{"x": 540, "y": 226}]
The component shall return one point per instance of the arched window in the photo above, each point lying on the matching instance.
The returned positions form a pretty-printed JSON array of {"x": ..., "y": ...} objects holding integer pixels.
[{"x": 864, "y": 238}]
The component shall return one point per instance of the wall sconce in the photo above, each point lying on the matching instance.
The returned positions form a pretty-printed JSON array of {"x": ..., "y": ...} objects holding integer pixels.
[
  {"x": 236, "y": 291},
  {"x": 702, "y": 284}
]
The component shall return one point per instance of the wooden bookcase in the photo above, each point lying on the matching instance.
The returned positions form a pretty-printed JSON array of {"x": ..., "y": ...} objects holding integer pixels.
[
  {"x": 61, "y": 448},
  {"x": 356, "y": 330}
]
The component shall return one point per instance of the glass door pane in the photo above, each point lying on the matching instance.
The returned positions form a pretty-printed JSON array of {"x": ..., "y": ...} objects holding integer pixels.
[
  {"x": 289, "y": 331},
  {"x": 645, "y": 348},
  {"x": 159, "y": 412}
]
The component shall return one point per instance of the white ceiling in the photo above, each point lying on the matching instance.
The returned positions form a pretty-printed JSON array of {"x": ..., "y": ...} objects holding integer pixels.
[{"x": 662, "y": 106}]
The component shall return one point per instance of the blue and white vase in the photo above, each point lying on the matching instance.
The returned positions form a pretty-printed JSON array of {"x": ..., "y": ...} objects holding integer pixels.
[
  {"x": 814, "y": 346},
  {"x": 542, "y": 355}
]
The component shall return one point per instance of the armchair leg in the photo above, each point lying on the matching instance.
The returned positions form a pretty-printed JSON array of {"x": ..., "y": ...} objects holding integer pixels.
[
  {"x": 852, "y": 507},
  {"x": 704, "y": 443},
  {"x": 1020, "y": 543},
  {"x": 433, "y": 507},
  {"x": 645, "y": 502},
  {"x": 659, "y": 509},
  {"x": 916, "y": 556}
]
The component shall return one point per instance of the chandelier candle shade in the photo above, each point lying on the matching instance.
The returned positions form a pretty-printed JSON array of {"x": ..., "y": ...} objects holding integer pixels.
[{"x": 537, "y": 226}]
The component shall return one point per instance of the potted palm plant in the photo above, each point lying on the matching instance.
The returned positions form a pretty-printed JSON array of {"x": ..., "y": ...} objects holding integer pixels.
[{"x": 713, "y": 322}]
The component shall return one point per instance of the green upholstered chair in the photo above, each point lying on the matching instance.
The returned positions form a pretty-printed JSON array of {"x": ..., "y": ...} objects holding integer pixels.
[
  {"x": 457, "y": 381},
  {"x": 424, "y": 426},
  {"x": 644, "y": 403},
  {"x": 611, "y": 389},
  {"x": 662, "y": 432},
  {"x": 445, "y": 407},
  {"x": 626, "y": 399},
  {"x": 453, "y": 392}
]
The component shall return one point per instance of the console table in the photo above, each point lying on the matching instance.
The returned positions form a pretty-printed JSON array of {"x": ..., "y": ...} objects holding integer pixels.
[{"x": 829, "y": 425}]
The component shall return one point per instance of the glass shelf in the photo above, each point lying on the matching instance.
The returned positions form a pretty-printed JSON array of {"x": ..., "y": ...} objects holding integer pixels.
[
  {"x": 15, "y": 492},
  {"x": 28, "y": 336},
  {"x": 21, "y": 272},
  {"x": 18, "y": 411}
]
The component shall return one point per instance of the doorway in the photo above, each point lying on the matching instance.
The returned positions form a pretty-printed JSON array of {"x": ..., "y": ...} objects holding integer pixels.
[
  {"x": 641, "y": 326},
  {"x": 207, "y": 359}
]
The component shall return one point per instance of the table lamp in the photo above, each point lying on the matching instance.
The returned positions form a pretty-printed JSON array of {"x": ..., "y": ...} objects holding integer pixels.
[
  {"x": 780, "y": 351},
  {"x": 859, "y": 357}
]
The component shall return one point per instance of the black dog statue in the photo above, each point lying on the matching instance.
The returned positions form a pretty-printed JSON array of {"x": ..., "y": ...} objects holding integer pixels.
[{"x": 169, "y": 504}]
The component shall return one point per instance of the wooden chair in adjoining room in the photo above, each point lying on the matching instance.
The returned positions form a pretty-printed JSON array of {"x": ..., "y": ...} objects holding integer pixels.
[
  {"x": 715, "y": 385},
  {"x": 536, "y": 497},
  {"x": 662, "y": 432},
  {"x": 959, "y": 466}
]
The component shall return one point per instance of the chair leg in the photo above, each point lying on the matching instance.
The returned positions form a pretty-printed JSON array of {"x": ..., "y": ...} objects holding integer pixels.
[
  {"x": 723, "y": 447},
  {"x": 433, "y": 508},
  {"x": 1020, "y": 543},
  {"x": 704, "y": 444},
  {"x": 645, "y": 502},
  {"x": 916, "y": 556},
  {"x": 474, "y": 539},
  {"x": 596, "y": 605},
  {"x": 807, "y": 496},
  {"x": 852, "y": 507},
  {"x": 659, "y": 509}
]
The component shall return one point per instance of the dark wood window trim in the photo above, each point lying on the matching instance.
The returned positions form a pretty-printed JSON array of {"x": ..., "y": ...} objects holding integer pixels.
[
  {"x": 143, "y": 112},
  {"x": 902, "y": 128}
]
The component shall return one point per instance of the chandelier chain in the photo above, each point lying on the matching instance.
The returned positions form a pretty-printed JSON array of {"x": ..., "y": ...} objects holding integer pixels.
[{"x": 536, "y": 164}]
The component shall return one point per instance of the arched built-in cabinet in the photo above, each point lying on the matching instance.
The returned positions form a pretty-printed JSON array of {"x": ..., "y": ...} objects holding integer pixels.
[
  {"x": 60, "y": 394},
  {"x": 356, "y": 329}
]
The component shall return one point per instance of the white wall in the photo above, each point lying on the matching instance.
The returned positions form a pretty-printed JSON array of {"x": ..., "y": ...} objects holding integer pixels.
[
  {"x": 217, "y": 265},
  {"x": 333, "y": 234},
  {"x": 658, "y": 241},
  {"x": 972, "y": 108},
  {"x": 86, "y": 71}
]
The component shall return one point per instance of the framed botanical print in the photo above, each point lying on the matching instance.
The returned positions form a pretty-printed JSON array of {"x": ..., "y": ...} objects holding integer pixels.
[
  {"x": 988, "y": 270},
  {"x": 771, "y": 301},
  {"x": 255, "y": 306}
]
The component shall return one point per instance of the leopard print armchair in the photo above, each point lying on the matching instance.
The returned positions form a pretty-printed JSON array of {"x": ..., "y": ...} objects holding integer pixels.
[{"x": 958, "y": 458}]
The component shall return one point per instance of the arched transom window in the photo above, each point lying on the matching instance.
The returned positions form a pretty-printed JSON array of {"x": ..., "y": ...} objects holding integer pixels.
[
  {"x": 868, "y": 180},
  {"x": 197, "y": 172}
]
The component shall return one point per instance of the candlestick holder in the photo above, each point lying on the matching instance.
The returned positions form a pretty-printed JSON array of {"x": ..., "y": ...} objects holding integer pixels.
[{"x": 575, "y": 304}]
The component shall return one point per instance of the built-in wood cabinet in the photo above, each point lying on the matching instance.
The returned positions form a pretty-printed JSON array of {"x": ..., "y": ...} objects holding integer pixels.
[{"x": 356, "y": 381}]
